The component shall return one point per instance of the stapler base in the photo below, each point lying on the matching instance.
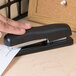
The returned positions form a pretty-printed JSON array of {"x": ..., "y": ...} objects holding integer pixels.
[{"x": 45, "y": 46}]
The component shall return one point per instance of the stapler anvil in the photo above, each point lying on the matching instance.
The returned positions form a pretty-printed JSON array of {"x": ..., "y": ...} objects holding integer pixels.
[{"x": 41, "y": 38}]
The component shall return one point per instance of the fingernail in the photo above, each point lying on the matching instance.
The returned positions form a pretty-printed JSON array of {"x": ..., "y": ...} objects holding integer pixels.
[
  {"x": 27, "y": 24},
  {"x": 22, "y": 30}
]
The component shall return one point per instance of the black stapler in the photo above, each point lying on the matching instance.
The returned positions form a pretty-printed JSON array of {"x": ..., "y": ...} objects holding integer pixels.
[{"x": 41, "y": 38}]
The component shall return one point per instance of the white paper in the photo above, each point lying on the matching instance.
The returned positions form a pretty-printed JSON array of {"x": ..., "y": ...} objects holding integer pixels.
[{"x": 6, "y": 56}]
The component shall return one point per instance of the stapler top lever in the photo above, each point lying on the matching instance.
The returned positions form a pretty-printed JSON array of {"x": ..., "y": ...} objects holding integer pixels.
[
  {"x": 53, "y": 34},
  {"x": 49, "y": 32}
]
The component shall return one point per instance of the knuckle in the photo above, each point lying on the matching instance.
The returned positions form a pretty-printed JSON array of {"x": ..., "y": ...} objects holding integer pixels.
[
  {"x": 8, "y": 20},
  {"x": 0, "y": 15},
  {"x": 3, "y": 26}
]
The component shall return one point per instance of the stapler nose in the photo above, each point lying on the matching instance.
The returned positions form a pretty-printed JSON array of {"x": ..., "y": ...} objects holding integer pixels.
[{"x": 54, "y": 34}]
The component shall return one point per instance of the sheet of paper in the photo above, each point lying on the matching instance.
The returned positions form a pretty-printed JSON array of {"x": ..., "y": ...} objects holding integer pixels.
[{"x": 6, "y": 56}]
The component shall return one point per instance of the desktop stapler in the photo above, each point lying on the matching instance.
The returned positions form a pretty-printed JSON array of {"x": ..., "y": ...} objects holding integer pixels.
[{"x": 41, "y": 38}]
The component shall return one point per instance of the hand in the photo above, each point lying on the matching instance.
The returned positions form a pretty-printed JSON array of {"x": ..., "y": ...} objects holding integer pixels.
[{"x": 10, "y": 26}]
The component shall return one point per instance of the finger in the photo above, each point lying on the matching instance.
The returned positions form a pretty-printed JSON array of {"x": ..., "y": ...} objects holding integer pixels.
[
  {"x": 18, "y": 24},
  {"x": 11, "y": 29},
  {"x": 15, "y": 23}
]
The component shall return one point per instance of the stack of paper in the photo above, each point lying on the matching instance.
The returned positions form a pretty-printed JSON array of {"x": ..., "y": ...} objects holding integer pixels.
[{"x": 6, "y": 56}]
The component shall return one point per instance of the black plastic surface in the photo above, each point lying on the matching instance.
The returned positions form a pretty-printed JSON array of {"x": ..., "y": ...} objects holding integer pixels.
[
  {"x": 45, "y": 47},
  {"x": 50, "y": 32}
]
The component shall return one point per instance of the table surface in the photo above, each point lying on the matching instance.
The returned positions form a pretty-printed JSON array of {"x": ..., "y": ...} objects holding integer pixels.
[{"x": 56, "y": 62}]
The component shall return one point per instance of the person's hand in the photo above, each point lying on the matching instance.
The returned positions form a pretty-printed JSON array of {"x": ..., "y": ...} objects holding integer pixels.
[{"x": 10, "y": 26}]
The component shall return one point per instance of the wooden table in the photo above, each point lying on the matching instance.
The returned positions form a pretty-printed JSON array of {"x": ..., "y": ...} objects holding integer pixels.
[{"x": 56, "y": 62}]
